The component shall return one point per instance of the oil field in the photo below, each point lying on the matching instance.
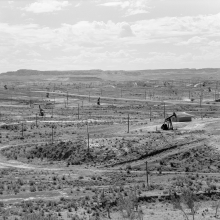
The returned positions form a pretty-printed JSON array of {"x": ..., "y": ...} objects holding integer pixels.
[{"x": 90, "y": 145}]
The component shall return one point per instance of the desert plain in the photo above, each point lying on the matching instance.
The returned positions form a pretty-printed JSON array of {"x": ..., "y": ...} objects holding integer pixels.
[{"x": 80, "y": 160}]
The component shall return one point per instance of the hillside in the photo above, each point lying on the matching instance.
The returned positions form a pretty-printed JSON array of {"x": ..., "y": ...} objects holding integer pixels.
[{"x": 118, "y": 75}]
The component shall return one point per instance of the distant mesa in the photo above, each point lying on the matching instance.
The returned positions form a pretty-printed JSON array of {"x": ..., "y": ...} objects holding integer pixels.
[{"x": 117, "y": 75}]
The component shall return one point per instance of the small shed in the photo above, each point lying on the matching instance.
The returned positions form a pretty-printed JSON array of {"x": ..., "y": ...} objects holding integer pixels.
[{"x": 182, "y": 117}]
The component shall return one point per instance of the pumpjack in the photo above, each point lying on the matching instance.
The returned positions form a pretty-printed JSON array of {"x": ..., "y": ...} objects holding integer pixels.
[
  {"x": 41, "y": 111},
  {"x": 167, "y": 125},
  {"x": 98, "y": 101}
]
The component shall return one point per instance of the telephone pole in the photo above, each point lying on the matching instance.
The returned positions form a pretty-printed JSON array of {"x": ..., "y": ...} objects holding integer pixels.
[
  {"x": 52, "y": 133},
  {"x": 78, "y": 111},
  {"x": 128, "y": 123},
  {"x": 164, "y": 110},
  {"x": 36, "y": 119},
  {"x": 147, "y": 173},
  {"x": 52, "y": 112},
  {"x": 67, "y": 97},
  {"x": 88, "y": 142},
  {"x": 22, "y": 130}
]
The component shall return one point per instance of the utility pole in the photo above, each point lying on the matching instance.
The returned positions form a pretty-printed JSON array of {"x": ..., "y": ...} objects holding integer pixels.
[
  {"x": 22, "y": 130},
  {"x": 201, "y": 96},
  {"x": 216, "y": 90},
  {"x": 128, "y": 122},
  {"x": 30, "y": 98},
  {"x": 145, "y": 94},
  {"x": 52, "y": 133},
  {"x": 164, "y": 110},
  {"x": 36, "y": 119},
  {"x": 78, "y": 111},
  {"x": 67, "y": 98},
  {"x": 87, "y": 128},
  {"x": 88, "y": 142},
  {"x": 147, "y": 173},
  {"x": 52, "y": 112},
  {"x": 150, "y": 114}
]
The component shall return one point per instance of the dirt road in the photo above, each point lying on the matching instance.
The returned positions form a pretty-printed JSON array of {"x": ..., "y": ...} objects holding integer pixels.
[{"x": 105, "y": 98}]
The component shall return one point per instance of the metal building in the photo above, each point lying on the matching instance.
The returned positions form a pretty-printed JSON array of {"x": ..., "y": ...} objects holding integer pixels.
[{"x": 182, "y": 117}]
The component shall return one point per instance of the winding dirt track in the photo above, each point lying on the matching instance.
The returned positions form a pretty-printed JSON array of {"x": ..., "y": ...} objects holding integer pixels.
[
  {"x": 4, "y": 163},
  {"x": 208, "y": 125}
]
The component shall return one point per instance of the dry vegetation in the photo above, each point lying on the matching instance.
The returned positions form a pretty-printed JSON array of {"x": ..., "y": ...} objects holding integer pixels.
[{"x": 82, "y": 161}]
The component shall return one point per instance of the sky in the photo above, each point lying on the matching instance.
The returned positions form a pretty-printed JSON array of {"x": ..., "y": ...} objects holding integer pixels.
[{"x": 109, "y": 34}]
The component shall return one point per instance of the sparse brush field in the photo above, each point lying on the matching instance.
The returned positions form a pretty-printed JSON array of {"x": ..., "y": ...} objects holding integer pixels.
[{"x": 83, "y": 161}]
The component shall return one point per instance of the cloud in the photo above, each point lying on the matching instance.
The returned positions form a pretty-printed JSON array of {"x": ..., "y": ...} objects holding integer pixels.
[
  {"x": 136, "y": 11},
  {"x": 78, "y": 4},
  {"x": 131, "y": 7},
  {"x": 126, "y": 30},
  {"x": 167, "y": 30},
  {"x": 193, "y": 40},
  {"x": 124, "y": 4},
  {"x": 45, "y": 6},
  {"x": 99, "y": 42},
  {"x": 33, "y": 54}
]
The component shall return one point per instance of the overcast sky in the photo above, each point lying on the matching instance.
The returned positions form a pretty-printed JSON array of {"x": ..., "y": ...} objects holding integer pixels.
[{"x": 109, "y": 34}]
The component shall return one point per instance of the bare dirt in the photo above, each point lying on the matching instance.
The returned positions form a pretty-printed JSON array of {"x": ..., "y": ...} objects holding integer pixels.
[{"x": 86, "y": 156}]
